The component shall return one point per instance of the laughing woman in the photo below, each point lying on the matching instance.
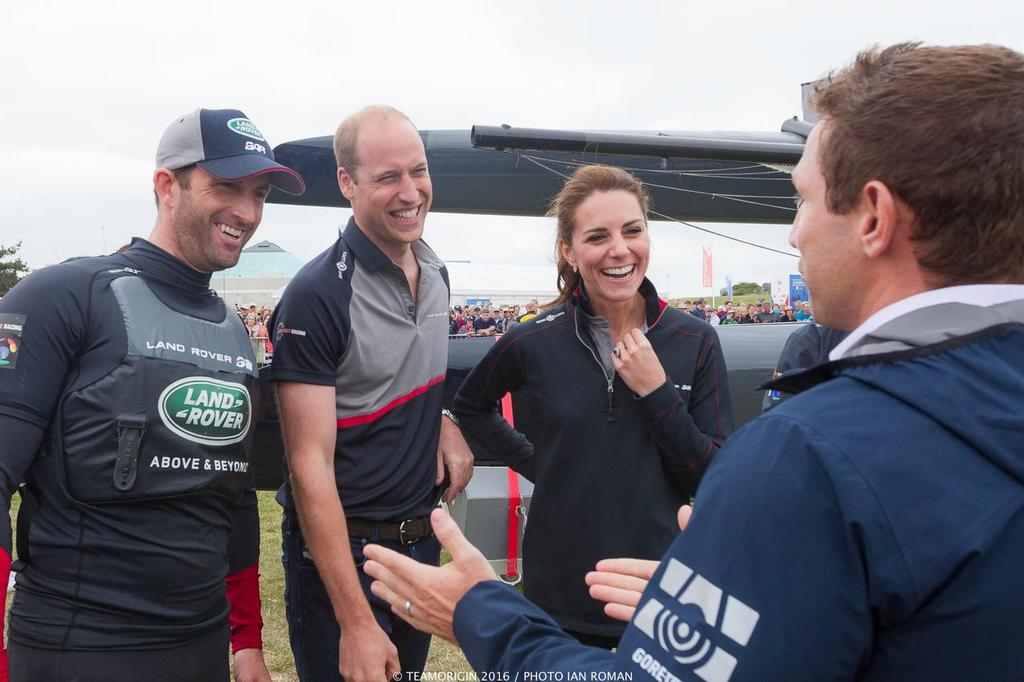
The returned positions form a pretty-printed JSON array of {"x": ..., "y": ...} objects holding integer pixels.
[{"x": 628, "y": 402}]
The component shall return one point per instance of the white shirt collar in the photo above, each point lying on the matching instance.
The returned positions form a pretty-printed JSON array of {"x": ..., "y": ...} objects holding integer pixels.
[{"x": 984, "y": 295}]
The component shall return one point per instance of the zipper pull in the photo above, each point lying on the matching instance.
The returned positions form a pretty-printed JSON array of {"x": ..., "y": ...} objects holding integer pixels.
[{"x": 611, "y": 403}]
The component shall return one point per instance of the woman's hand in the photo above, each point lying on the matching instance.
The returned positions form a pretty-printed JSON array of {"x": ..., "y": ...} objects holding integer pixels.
[
  {"x": 619, "y": 583},
  {"x": 636, "y": 362}
]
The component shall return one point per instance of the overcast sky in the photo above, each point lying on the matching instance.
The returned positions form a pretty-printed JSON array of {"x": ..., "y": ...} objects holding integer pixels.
[{"x": 88, "y": 88}]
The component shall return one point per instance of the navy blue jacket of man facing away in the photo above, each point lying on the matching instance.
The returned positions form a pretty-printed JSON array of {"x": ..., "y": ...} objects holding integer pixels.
[{"x": 870, "y": 528}]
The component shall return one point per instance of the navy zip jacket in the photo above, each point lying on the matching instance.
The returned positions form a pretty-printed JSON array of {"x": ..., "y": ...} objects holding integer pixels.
[
  {"x": 610, "y": 469},
  {"x": 871, "y": 528}
]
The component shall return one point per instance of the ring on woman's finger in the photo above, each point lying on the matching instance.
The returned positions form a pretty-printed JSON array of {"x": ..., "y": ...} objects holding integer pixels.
[
  {"x": 408, "y": 608},
  {"x": 617, "y": 352}
]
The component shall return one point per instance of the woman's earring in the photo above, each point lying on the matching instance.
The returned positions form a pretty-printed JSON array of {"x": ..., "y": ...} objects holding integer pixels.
[{"x": 575, "y": 269}]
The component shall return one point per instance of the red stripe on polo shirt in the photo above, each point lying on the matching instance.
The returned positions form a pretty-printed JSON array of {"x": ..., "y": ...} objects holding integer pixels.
[{"x": 358, "y": 420}]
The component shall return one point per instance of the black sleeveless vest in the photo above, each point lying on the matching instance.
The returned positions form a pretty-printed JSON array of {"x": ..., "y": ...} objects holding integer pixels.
[{"x": 174, "y": 418}]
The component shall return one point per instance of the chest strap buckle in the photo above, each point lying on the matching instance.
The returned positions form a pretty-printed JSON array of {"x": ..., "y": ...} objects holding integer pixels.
[{"x": 129, "y": 444}]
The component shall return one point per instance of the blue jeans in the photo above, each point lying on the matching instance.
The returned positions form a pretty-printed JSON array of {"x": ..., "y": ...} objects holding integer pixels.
[{"x": 312, "y": 630}]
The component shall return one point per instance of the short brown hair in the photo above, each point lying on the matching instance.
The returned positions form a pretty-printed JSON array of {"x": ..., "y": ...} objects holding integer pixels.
[
  {"x": 184, "y": 178},
  {"x": 347, "y": 134},
  {"x": 943, "y": 128},
  {"x": 584, "y": 182}
]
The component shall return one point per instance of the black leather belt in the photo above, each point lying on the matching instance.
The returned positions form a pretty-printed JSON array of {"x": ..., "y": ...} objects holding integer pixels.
[{"x": 403, "y": 532}]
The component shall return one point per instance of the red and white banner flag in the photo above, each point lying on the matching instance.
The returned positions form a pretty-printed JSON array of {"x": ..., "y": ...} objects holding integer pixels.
[{"x": 706, "y": 275}]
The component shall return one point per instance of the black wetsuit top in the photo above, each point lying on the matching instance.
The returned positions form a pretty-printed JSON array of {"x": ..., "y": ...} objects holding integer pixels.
[
  {"x": 808, "y": 346},
  {"x": 142, "y": 575}
]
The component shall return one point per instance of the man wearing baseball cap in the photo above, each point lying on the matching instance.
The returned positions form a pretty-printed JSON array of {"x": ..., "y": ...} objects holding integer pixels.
[{"x": 127, "y": 413}]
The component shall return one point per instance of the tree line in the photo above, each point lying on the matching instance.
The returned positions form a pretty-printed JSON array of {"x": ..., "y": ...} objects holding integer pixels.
[
  {"x": 12, "y": 268},
  {"x": 744, "y": 288}
]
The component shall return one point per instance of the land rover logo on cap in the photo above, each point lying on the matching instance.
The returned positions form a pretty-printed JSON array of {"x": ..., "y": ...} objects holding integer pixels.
[
  {"x": 244, "y": 126},
  {"x": 206, "y": 411}
]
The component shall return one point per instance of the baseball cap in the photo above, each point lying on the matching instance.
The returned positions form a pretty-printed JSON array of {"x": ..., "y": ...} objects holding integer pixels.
[{"x": 225, "y": 144}]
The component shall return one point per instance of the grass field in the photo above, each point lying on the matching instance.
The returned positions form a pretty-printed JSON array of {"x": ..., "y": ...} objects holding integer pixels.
[{"x": 443, "y": 656}]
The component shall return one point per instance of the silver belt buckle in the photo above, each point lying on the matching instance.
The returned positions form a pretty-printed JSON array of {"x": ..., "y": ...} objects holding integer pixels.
[{"x": 401, "y": 533}]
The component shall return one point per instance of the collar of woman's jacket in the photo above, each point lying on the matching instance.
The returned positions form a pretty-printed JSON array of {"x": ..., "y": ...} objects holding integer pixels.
[{"x": 654, "y": 305}]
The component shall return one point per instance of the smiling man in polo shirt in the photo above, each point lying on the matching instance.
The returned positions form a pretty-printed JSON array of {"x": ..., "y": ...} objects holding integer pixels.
[{"x": 360, "y": 354}]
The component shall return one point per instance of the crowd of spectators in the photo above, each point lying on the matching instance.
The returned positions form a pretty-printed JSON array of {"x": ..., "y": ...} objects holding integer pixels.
[
  {"x": 488, "y": 320},
  {"x": 256, "y": 320},
  {"x": 761, "y": 312}
]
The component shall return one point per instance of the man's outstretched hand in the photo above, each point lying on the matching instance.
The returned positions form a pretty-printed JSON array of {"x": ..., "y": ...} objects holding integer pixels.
[{"x": 432, "y": 592}]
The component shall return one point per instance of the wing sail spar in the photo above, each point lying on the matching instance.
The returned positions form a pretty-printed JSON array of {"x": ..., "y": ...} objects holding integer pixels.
[{"x": 500, "y": 170}]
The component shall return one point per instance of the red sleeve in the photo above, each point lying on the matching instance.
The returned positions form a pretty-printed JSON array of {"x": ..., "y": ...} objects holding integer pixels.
[
  {"x": 5, "y": 575},
  {"x": 21, "y": 440},
  {"x": 243, "y": 592}
]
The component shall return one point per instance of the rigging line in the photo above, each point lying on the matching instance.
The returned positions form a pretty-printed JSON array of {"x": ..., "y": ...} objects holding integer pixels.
[
  {"x": 750, "y": 167},
  {"x": 786, "y": 197},
  {"x": 740, "y": 198},
  {"x": 677, "y": 220},
  {"x": 653, "y": 170},
  {"x": 547, "y": 168},
  {"x": 739, "y": 176},
  {"x": 725, "y": 173},
  {"x": 731, "y": 197},
  {"x": 752, "y": 177},
  {"x": 695, "y": 171},
  {"x": 714, "y": 172},
  {"x": 725, "y": 236}
]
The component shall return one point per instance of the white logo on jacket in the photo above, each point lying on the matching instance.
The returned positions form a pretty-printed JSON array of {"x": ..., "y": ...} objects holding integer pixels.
[
  {"x": 342, "y": 265},
  {"x": 683, "y": 632},
  {"x": 549, "y": 317}
]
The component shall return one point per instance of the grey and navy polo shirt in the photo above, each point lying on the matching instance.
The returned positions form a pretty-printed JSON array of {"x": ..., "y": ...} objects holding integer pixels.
[{"x": 348, "y": 320}]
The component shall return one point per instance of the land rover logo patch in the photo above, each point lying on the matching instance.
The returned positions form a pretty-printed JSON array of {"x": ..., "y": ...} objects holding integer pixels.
[
  {"x": 244, "y": 126},
  {"x": 206, "y": 411}
]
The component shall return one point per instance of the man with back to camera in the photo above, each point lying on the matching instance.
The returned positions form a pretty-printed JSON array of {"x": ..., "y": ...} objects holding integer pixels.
[
  {"x": 126, "y": 407},
  {"x": 531, "y": 311},
  {"x": 360, "y": 355},
  {"x": 871, "y": 527},
  {"x": 808, "y": 346}
]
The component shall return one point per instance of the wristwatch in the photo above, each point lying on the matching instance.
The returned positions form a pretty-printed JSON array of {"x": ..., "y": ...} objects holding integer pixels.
[{"x": 450, "y": 415}]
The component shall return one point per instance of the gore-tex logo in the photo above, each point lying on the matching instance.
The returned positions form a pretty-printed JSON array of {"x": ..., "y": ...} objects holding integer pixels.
[{"x": 693, "y": 622}]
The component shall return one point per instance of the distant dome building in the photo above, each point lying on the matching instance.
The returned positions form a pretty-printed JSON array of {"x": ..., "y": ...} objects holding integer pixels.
[{"x": 261, "y": 272}]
